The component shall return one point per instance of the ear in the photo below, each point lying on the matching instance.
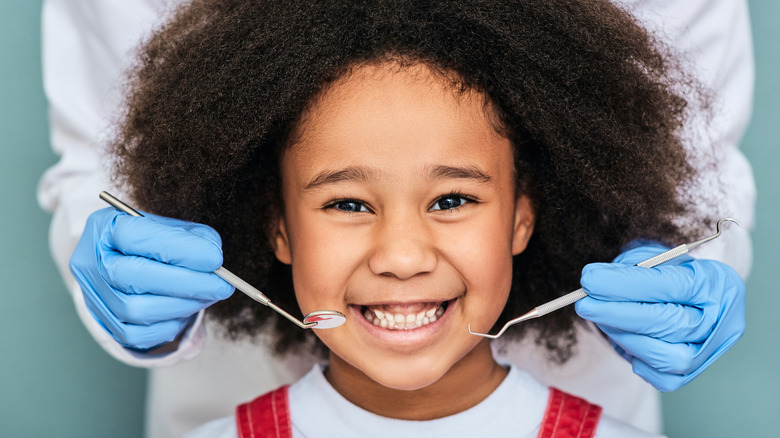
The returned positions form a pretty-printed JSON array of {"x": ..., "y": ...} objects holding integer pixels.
[
  {"x": 281, "y": 242},
  {"x": 525, "y": 218}
]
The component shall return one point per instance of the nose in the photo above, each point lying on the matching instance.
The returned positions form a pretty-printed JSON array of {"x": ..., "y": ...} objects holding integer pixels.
[{"x": 403, "y": 248}]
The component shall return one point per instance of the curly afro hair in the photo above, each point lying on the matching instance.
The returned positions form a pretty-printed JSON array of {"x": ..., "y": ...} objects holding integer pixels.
[{"x": 593, "y": 105}]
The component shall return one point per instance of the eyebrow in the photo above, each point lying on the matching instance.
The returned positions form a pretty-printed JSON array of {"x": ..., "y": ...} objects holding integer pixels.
[
  {"x": 451, "y": 172},
  {"x": 350, "y": 174},
  {"x": 361, "y": 174}
]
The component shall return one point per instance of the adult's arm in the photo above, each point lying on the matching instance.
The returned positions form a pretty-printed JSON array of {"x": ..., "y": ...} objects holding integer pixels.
[
  {"x": 87, "y": 45},
  {"x": 714, "y": 39},
  {"x": 673, "y": 321}
]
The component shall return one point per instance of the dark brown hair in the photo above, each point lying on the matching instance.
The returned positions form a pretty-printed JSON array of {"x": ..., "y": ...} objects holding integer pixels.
[{"x": 592, "y": 104}]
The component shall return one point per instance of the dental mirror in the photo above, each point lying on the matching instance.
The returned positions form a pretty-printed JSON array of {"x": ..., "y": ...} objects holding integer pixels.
[{"x": 325, "y": 319}]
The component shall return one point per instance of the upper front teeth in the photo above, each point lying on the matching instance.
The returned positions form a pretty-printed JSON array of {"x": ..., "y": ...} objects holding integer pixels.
[{"x": 398, "y": 321}]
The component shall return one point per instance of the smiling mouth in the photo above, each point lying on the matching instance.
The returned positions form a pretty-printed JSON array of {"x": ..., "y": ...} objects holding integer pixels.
[{"x": 404, "y": 317}]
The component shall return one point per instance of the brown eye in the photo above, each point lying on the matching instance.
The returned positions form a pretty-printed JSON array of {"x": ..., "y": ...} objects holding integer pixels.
[
  {"x": 449, "y": 202},
  {"x": 349, "y": 206}
]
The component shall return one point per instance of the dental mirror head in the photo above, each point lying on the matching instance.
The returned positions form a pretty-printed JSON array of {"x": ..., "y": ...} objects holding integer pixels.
[{"x": 325, "y": 319}]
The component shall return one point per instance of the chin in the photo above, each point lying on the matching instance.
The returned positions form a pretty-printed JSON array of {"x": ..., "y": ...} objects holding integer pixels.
[
  {"x": 406, "y": 375},
  {"x": 404, "y": 380}
]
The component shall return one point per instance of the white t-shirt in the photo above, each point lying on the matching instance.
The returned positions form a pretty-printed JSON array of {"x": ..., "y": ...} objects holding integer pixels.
[{"x": 516, "y": 408}]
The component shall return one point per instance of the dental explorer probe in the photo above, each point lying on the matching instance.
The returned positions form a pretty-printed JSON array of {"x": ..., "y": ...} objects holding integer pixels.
[
  {"x": 579, "y": 294},
  {"x": 321, "y": 319}
]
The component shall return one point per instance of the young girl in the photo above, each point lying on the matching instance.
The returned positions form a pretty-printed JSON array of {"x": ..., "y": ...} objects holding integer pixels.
[{"x": 418, "y": 166}]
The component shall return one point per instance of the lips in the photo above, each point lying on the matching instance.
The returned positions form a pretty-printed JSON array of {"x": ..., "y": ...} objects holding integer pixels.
[{"x": 404, "y": 316}]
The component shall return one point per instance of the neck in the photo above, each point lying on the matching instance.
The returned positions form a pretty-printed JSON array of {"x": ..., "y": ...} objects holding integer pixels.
[{"x": 464, "y": 385}]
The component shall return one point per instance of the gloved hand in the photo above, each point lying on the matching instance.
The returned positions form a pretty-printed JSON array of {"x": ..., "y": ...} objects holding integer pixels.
[
  {"x": 143, "y": 278},
  {"x": 670, "y": 322}
]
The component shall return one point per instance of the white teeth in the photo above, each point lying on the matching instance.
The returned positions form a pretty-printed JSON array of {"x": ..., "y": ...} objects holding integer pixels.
[{"x": 399, "y": 321}]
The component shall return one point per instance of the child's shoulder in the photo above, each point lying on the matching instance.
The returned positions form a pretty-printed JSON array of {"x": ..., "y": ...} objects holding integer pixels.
[
  {"x": 519, "y": 404},
  {"x": 569, "y": 415},
  {"x": 608, "y": 428}
]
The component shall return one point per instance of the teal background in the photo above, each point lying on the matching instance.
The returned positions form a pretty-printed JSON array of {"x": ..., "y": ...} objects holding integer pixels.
[
  {"x": 55, "y": 381},
  {"x": 739, "y": 396}
]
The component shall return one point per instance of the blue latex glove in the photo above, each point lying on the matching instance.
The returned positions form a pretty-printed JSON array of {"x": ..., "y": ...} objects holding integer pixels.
[
  {"x": 670, "y": 322},
  {"x": 143, "y": 278}
]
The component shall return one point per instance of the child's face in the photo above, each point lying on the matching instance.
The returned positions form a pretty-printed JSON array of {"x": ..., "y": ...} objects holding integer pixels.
[{"x": 400, "y": 204}]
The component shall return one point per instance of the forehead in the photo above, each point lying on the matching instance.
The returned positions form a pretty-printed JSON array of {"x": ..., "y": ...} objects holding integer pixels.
[{"x": 387, "y": 115}]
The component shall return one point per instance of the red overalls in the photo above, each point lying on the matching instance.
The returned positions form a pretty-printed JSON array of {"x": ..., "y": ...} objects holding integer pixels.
[{"x": 567, "y": 416}]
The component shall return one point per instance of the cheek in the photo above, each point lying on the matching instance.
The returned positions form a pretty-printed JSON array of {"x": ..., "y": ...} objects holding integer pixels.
[
  {"x": 482, "y": 255},
  {"x": 322, "y": 260},
  {"x": 483, "y": 250}
]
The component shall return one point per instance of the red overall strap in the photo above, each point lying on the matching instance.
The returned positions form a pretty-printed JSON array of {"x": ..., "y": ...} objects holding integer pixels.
[
  {"x": 267, "y": 416},
  {"x": 568, "y": 416}
]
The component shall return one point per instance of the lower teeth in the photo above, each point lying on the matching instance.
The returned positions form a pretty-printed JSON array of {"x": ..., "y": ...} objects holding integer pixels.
[{"x": 389, "y": 321}]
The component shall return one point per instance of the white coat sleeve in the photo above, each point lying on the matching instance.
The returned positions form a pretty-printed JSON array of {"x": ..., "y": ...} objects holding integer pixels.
[
  {"x": 714, "y": 39},
  {"x": 87, "y": 44}
]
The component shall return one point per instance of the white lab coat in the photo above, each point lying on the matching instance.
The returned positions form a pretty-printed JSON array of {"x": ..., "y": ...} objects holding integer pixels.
[{"x": 88, "y": 43}]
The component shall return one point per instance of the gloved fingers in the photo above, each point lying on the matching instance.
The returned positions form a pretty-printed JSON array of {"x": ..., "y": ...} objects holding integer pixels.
[
  {"x": 665, "y": 283},
  {"x": 664, "y": 382},
  {"x": 621, "y": 351},
  {"x": 201, "y": 230},
  {"x": 145, "y": 337},
  {"x": 193, "y": 246},
  {"x": 141, "y": 309},
  {"x": 138, "y": 275},
  {"x": 138, "y": 336},
  {"x": 669, "y": 322},
  {"x": 156, "y": 319},
  {"x": 664, "y": 357},
  {"x": 147, "y": 309}
]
